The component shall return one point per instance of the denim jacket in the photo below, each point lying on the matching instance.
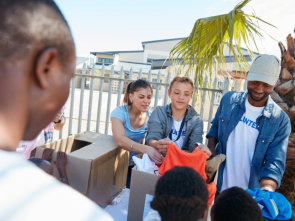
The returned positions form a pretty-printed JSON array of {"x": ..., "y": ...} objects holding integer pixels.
[
  {"x": 274, "y": 128},
  {"x": 161, "y": 122}
]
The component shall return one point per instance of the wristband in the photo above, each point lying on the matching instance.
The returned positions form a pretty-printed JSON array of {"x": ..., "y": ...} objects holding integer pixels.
[
  {"x": 57, "y": 122},
  {"x": 266, "y": 188},
  {"x": 131, "y": 146}
]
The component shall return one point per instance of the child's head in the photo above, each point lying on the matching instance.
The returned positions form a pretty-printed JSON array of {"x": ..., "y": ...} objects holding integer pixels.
[
  {"x": 180, "y": 92},
  {"x": 43, "y": 164},
  {"x": 181, "y": 194},
  {"x": 138, "y": 95},
  {"x": 235, "y": 204}
]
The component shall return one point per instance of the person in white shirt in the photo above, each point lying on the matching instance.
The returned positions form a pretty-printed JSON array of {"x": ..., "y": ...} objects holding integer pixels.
[
  {"x": 37, "y": 59},
  {"x": 252, "y": 131}
]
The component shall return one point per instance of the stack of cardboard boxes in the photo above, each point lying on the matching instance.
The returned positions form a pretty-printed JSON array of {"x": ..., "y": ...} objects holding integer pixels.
[{"x": 95, "y": 165}]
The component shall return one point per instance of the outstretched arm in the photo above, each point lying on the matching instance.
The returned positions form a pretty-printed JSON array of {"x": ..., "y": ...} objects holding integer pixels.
[
  {"x": 212, "y": 135},
  {"x": 212, "y": 142},
  {"x": 156, "y": 137},
  {"x": 126, "y": 143},
  {"x": 160, "y": 145},
  {"x": 275, "y": 159}
]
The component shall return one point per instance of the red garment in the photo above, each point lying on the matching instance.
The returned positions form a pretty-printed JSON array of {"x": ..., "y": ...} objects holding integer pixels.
[{"x": 196, "y": 160}]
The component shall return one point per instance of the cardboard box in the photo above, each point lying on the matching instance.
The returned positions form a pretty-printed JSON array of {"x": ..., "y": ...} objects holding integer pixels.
[
  {"x": 95, "y": 165},
  {"x": 143, "y": 183}
]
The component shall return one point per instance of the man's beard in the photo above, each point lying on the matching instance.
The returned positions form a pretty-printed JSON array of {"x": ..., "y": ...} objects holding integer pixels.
[{"x": 255, "y": 99}]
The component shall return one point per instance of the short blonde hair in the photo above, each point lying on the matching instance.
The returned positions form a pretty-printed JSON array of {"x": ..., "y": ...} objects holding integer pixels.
[{"x": 181, "y": 80}]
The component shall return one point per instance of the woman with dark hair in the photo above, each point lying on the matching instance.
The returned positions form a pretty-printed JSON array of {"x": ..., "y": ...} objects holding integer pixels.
[{"x": 129, "y": 122}]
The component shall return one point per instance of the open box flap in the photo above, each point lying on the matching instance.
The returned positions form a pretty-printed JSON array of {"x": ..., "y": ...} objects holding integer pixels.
[
  {"x": 95, "y": 150},
  {"x": 88, "y": 136}
]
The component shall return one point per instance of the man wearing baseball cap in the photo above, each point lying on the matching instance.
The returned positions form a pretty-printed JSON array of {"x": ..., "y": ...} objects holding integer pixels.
[{"x": 252, "y": 130}]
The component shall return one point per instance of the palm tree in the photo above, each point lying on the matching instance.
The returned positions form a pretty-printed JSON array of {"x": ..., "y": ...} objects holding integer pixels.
[{"x": 203, "y": 48}]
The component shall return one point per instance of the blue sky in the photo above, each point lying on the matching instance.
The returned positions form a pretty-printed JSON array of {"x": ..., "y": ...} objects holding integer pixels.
[{"x": 122, "y": 25}]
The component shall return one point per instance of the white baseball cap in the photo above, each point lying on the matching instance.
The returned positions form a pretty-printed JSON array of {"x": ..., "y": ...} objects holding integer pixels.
[{"x": 265, "y": 68}]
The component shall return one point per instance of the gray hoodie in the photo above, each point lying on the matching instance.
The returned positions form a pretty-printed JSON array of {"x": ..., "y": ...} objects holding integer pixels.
[{"x": 161, "y": 122}]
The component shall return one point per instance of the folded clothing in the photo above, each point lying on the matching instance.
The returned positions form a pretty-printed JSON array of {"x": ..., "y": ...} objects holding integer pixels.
[{"x": 274, "y": 205}]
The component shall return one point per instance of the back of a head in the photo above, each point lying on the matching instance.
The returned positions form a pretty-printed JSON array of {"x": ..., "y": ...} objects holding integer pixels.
[
  {"x": 235, "y": 204},
  {"x": 28, "y": 24},
  {"x": 37, "y": 60},
  {"x": 181, "y": 194}
]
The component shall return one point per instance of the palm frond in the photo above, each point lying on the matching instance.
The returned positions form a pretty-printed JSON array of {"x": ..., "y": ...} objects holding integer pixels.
[{"x": 203, "y": 49}]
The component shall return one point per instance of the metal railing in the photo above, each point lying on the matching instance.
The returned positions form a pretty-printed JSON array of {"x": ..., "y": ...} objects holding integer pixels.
[{"x": 96, "y": 92}]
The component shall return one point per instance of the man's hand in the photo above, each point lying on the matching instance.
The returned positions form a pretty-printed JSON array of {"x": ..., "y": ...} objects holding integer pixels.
[
  {"x": 161, "y": 145},
  {"x": 58, "y": 116},
  {"x": 206, "y": 149},
  {"x": 268, "y": 183},
  {"x": 212, "y": 142},
  {"x": 154, "y": 155}
]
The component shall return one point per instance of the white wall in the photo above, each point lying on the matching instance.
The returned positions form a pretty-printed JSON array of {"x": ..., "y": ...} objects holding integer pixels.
[{"x": 132, "y": 57}]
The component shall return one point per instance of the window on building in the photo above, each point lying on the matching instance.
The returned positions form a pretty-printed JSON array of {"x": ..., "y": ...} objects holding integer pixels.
[
  {"x": 149, "y": 60},
  {"x": 106, "y": 61}
]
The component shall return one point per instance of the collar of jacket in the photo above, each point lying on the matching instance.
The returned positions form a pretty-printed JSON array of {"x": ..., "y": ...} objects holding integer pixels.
[
  {"x": 189, "y": 113},
  {"x": 241, "y": 98}
]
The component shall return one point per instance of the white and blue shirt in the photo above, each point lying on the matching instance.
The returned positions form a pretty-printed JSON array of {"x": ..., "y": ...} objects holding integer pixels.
[
  {"x": 176, "y": 129},
  {"x": 240, "y": 149}
]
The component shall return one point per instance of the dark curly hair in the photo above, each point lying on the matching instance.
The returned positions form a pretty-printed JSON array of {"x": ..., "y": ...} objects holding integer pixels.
[
  {"x": 235, "y": 204},
  {"x": 181, "y": 194}
]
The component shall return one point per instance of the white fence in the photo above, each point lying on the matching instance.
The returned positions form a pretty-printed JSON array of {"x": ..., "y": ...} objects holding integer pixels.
[{"x": 96, "y": 92}]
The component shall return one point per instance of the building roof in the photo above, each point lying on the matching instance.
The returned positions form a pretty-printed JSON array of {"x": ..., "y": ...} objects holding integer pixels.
[
  {"x": 155, "y": 41},
  {"x": 163, "y": 63},
  {"x": 115, "y": 52},
  {"x": 135, "y": 51}
]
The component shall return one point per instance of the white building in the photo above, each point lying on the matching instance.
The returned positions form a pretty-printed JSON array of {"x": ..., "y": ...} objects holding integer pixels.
[
  {"x": 154, "y": 56},
  {"x": 139, "y": 59}
]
